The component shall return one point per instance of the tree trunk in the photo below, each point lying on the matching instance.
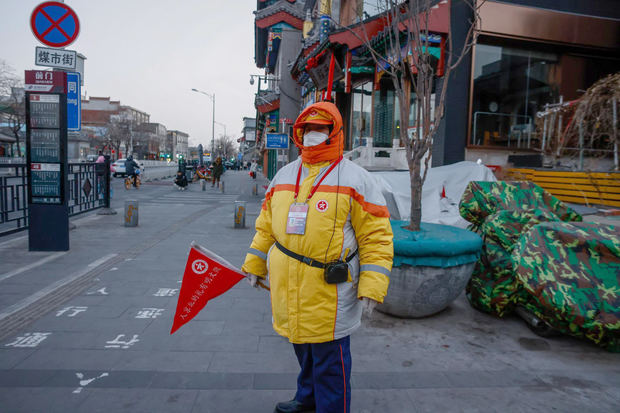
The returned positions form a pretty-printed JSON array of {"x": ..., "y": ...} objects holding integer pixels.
[
  {"x": 416, "y": 196},
  {"x": 19, "y": 150}
]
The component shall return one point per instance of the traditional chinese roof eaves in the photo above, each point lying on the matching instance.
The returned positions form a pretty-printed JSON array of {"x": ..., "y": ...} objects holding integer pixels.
[
  {"x": 269, "y": 107},
  {"x": 302, "y": 58},
  {"x": 267, "y": 100},
  {"x": 282, "y": 11},
  {"x": 439, "y": 22}
]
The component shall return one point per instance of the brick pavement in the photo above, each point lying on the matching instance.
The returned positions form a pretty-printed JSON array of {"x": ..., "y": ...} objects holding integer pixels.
[{"x": 229, "y": 359}]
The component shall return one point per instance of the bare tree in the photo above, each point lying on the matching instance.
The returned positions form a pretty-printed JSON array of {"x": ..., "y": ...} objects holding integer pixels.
[
  {"x": 408, "y": 62},
  {"x": 12, "y": 107},
  {"x": 225, "y": 146},
  {"x": 118, "y": 131}
]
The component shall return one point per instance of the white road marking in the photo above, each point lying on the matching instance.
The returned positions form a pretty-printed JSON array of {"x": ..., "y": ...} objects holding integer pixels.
[
  {"x": 102, "y": 291},
  {"x": 101, "y": 260},
  {"x": 84, "y": 383},
  {"x": 51, "y": 288},
  {"x": 118, "y": 343},
  {"x": 2, "y": 244},
  {"x": 73, "y": 311},
  {"x": 32, "y": 265},
  {"x": 30, "y": 340}
]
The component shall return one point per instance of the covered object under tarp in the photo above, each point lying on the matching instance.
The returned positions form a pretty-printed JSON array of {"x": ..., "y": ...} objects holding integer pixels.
[
  {"x": 539, "y": 256},
  {"x": 571, "y": 274},
  {"x": 453, "y": 178}
]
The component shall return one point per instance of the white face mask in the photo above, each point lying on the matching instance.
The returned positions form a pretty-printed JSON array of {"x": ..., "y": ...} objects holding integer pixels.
[{"x": 314, "y": 138}]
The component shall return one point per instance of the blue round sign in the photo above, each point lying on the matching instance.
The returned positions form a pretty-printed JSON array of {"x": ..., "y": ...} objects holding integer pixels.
[{"x": 54, "y": 24}]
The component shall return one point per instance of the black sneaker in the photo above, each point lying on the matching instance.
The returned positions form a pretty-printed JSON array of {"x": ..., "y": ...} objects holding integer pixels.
[{"x": 292, "y": 406}]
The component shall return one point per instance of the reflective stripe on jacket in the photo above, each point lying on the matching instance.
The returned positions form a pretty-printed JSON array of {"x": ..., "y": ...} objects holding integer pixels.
[{"x": 346, "y": 213}]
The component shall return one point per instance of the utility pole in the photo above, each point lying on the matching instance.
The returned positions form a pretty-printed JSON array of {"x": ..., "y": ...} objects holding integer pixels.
[{"x": 212, "y": 97}]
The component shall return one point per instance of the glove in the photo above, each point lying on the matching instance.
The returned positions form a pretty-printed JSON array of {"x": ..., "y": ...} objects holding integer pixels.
[
  {"x": 252, "y": 279},
  {"x": 368, "y": 305}
]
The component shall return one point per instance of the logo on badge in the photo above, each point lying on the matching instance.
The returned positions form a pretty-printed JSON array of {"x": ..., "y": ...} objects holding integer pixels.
[
  {"x": 322, "y": 205},
  {"x": 200, "y": 266}
]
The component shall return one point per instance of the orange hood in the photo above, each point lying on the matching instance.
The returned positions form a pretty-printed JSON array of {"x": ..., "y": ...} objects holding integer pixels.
[{"x": 325, "y": 113}]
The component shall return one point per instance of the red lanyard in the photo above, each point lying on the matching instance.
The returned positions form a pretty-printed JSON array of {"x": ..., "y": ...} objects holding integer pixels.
[{"x": 314, "y": 188}]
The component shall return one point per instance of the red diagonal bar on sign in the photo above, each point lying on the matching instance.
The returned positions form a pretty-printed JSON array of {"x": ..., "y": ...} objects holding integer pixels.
[{"x": 55, "y": 24}]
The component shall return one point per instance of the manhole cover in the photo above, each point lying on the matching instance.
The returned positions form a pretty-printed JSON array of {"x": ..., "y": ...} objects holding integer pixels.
[{"x": 87, "y": 187}]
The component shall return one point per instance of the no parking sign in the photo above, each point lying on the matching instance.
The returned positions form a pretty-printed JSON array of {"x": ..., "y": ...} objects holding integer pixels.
[{"x": 54, "y": 24}]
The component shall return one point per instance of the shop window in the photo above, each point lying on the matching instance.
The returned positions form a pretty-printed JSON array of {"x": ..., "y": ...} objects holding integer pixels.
[
  {"x": 360, "y": 114},
  {"x": 513, "y": 83},
  {"x": 510, "y": 86}
]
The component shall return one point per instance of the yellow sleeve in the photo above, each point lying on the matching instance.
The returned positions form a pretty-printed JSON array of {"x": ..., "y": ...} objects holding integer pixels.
[
  {"x": 256, "y": 258},
  {"x": 376, "y": 249}
]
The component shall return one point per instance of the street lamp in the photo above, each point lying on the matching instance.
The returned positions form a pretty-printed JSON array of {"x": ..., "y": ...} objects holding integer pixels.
[
  {"x": 212, "y": 96},
  {"x": 221, "y": 124}
]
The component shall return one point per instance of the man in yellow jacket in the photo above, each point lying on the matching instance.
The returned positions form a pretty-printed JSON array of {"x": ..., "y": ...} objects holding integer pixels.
[{"x": 324, "y": 239}]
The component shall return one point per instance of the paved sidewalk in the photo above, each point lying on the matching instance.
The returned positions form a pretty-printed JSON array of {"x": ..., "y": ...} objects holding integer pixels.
[{"x": 88, "y": 331}]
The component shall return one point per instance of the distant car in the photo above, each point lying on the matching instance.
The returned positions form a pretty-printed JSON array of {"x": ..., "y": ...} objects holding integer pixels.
[
  {"x": 118, "y": 167},
  {"x": 229, "y": 165},
  {"x": 91, "y": 158}
]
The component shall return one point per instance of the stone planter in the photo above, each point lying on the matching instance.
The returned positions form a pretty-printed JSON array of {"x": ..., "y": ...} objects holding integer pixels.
[{"x": 431, "y": 268}]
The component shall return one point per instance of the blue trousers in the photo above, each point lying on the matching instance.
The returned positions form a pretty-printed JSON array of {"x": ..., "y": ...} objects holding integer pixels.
[{"x": 325, "y": 377}]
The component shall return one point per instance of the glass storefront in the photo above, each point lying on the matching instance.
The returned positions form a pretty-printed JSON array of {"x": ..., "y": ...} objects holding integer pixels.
[
  {"x": 512, "y": 83},
  {"x": 360, "y": 115}
]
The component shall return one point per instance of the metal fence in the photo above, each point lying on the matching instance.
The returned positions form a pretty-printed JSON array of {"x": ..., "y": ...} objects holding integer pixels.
[
  {"x": 86, "y": 187},
  {"x": 86, "y": 192},
  {"x": 13, "y": 198}
]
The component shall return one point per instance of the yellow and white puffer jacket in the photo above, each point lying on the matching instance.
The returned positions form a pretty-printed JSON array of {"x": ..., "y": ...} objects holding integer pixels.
[{"x": 352, "y": 216}]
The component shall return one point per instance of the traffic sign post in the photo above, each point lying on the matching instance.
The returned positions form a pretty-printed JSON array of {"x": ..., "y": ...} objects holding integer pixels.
[
  {"x": 74, "y": 102},
  {"x": 54, "y": 24},
  {"x": 46, "y": 157}
]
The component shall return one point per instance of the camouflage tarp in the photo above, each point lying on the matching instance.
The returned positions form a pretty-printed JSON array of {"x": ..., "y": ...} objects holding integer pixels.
[
  {"x": 482, "y": 199},
  {"x": 501, "y": 212},
  {"x": 571, "y": 273},
  {"x": 493, "y": 287}
]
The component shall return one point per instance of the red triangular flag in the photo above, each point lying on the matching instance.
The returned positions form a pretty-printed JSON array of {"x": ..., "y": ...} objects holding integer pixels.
[{"x": 206, "y": 276}]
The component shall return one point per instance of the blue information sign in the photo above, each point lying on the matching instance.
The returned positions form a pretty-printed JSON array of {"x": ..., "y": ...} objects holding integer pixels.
[
  {"x": 276, "y": 141},
  {"x": 74, "y": 102}
]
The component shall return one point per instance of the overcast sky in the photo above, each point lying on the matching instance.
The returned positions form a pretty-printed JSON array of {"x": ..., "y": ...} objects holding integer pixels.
[{"x": 149, "y": 54}]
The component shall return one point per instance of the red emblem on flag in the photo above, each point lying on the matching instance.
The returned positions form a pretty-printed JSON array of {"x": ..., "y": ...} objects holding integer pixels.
[{"x": 206, "y": 276}]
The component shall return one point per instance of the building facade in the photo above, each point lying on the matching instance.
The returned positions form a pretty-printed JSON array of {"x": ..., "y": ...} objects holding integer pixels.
[
  {"x": 152, "y": 141},
  {"x": 177, "y": 142},
  {"x": 247, "y": 141},
  {"x": 278, "y": 36},
  {"x": 530, "y": 55}
]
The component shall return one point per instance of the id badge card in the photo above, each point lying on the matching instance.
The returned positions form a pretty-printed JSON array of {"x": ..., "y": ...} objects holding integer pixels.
[{"x": 296, "y": 222}]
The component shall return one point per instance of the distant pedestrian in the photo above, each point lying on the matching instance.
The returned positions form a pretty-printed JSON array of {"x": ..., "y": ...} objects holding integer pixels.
[
  {"x": 218, "y": 170},
  {"x": 100, "y": 158},
  {"x": 130, "y": 169},
  {"x": 180, "y": 181},
  {"x": 253, "y": 169}
]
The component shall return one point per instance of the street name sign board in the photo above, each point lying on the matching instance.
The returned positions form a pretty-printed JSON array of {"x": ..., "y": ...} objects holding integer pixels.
[
  {"x": 74, "y": 102},
  {"x": 45, "y": 81},
  {"x": 58, "y": 58},
  {"x": 276, "y": 141},
  {"x": 46, "y": 159},
  {"x": 54, "y": 24},
  {"x": 45, "y": 148}
]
